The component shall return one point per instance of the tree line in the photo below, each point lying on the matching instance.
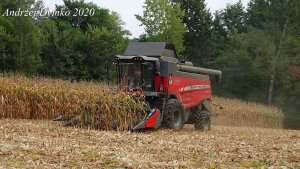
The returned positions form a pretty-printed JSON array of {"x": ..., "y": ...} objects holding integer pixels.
[
  {"x": 73, "y": 47},
  {"x": 257, "y": 47}
]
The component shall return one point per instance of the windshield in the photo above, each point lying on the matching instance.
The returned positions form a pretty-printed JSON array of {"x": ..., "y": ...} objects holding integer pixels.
[{"x": 137, "y": 75}]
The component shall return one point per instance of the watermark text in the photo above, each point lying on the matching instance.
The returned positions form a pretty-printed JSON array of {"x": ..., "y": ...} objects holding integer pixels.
[{"x": 47, "y": 13}]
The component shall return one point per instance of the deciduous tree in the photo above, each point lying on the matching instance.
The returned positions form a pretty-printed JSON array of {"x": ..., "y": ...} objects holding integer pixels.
[{"x": 163, "y": 22}]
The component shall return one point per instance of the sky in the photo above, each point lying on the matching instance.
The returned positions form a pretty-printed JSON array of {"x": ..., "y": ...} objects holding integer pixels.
[{"x": 128, "y": 8}]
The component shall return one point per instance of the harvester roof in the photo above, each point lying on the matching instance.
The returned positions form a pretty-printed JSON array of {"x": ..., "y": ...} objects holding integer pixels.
[
  {"x": 137, "y": 58},
  {"x": 151, "y": 49}
]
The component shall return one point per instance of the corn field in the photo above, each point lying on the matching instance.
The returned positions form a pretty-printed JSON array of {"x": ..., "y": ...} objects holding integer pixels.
[
  {"x": 95, "y": 106},
  {"x": 83, "y": 104},
  {"x": 236, "y": 112}
]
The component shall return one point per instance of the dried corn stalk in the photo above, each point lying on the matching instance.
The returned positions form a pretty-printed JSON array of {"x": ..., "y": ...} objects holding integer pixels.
[{"x": 85, "y": 104}]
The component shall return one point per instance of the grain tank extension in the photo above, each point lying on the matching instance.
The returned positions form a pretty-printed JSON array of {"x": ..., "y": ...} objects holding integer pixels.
[{"x": 198, "y": 70}]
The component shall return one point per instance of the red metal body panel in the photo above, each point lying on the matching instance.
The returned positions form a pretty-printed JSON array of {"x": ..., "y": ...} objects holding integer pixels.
[
  {"x": 151, "y": 122},
  {"x": 190, "y": 91},
  {"x": 161, "y": 83}
]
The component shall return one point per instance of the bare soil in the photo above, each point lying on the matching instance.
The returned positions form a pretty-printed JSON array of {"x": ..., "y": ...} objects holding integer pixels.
[{"x": 46, "y": 144}]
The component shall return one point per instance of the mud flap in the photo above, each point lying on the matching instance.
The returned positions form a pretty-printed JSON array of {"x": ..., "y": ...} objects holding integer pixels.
[
  {"x": 206, "y": 105},
  {"x": 153, "y": 121}
]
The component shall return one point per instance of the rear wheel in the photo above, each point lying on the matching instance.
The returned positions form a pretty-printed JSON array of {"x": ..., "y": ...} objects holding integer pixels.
[
  {"x": 173, "y": 115},
  {"x": 202, "y": 120}
]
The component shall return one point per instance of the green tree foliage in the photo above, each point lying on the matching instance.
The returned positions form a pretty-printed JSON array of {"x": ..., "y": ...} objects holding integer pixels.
[
  {"x": 7, "y": 52},
  {"x": 60, "y": 46},
  {"x": 227, "y": 22},
  {"x": 20, "y": 38},
  {"x": 163, "y": 22},
  {"x": 233, "y": 17},
  {"x": 57, "y": 49},
  {"x": 265, "y": 44},
  {"x": 280, "y": 19},
  {"x": 198, "y": 21},
  {"x": 101, "y": 18},
  {"x": 77, "y": 47},
  {"x": 101, "y": 46},
  {"x": 243, "y": 76}
]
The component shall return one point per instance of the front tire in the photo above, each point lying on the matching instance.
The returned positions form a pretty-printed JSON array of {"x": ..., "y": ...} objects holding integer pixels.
[{"x": 174, "y": 115}]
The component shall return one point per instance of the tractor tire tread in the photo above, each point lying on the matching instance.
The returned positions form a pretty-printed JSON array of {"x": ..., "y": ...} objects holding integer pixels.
[{"x": 202, "y": 120}]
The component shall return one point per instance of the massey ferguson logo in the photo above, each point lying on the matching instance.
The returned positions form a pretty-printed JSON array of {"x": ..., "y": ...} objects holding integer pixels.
[{"x": 194, "y": 87}]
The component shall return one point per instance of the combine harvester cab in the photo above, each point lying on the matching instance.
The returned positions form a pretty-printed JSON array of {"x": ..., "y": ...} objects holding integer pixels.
[{"x": 176, "y": 92}]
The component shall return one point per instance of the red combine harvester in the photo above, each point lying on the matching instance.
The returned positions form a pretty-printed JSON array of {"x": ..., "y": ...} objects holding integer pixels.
[{"x": 176, "y": 92}]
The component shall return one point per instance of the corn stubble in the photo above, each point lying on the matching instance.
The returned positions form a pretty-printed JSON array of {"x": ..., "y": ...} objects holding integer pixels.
[{"x": 83, "y": 104}]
